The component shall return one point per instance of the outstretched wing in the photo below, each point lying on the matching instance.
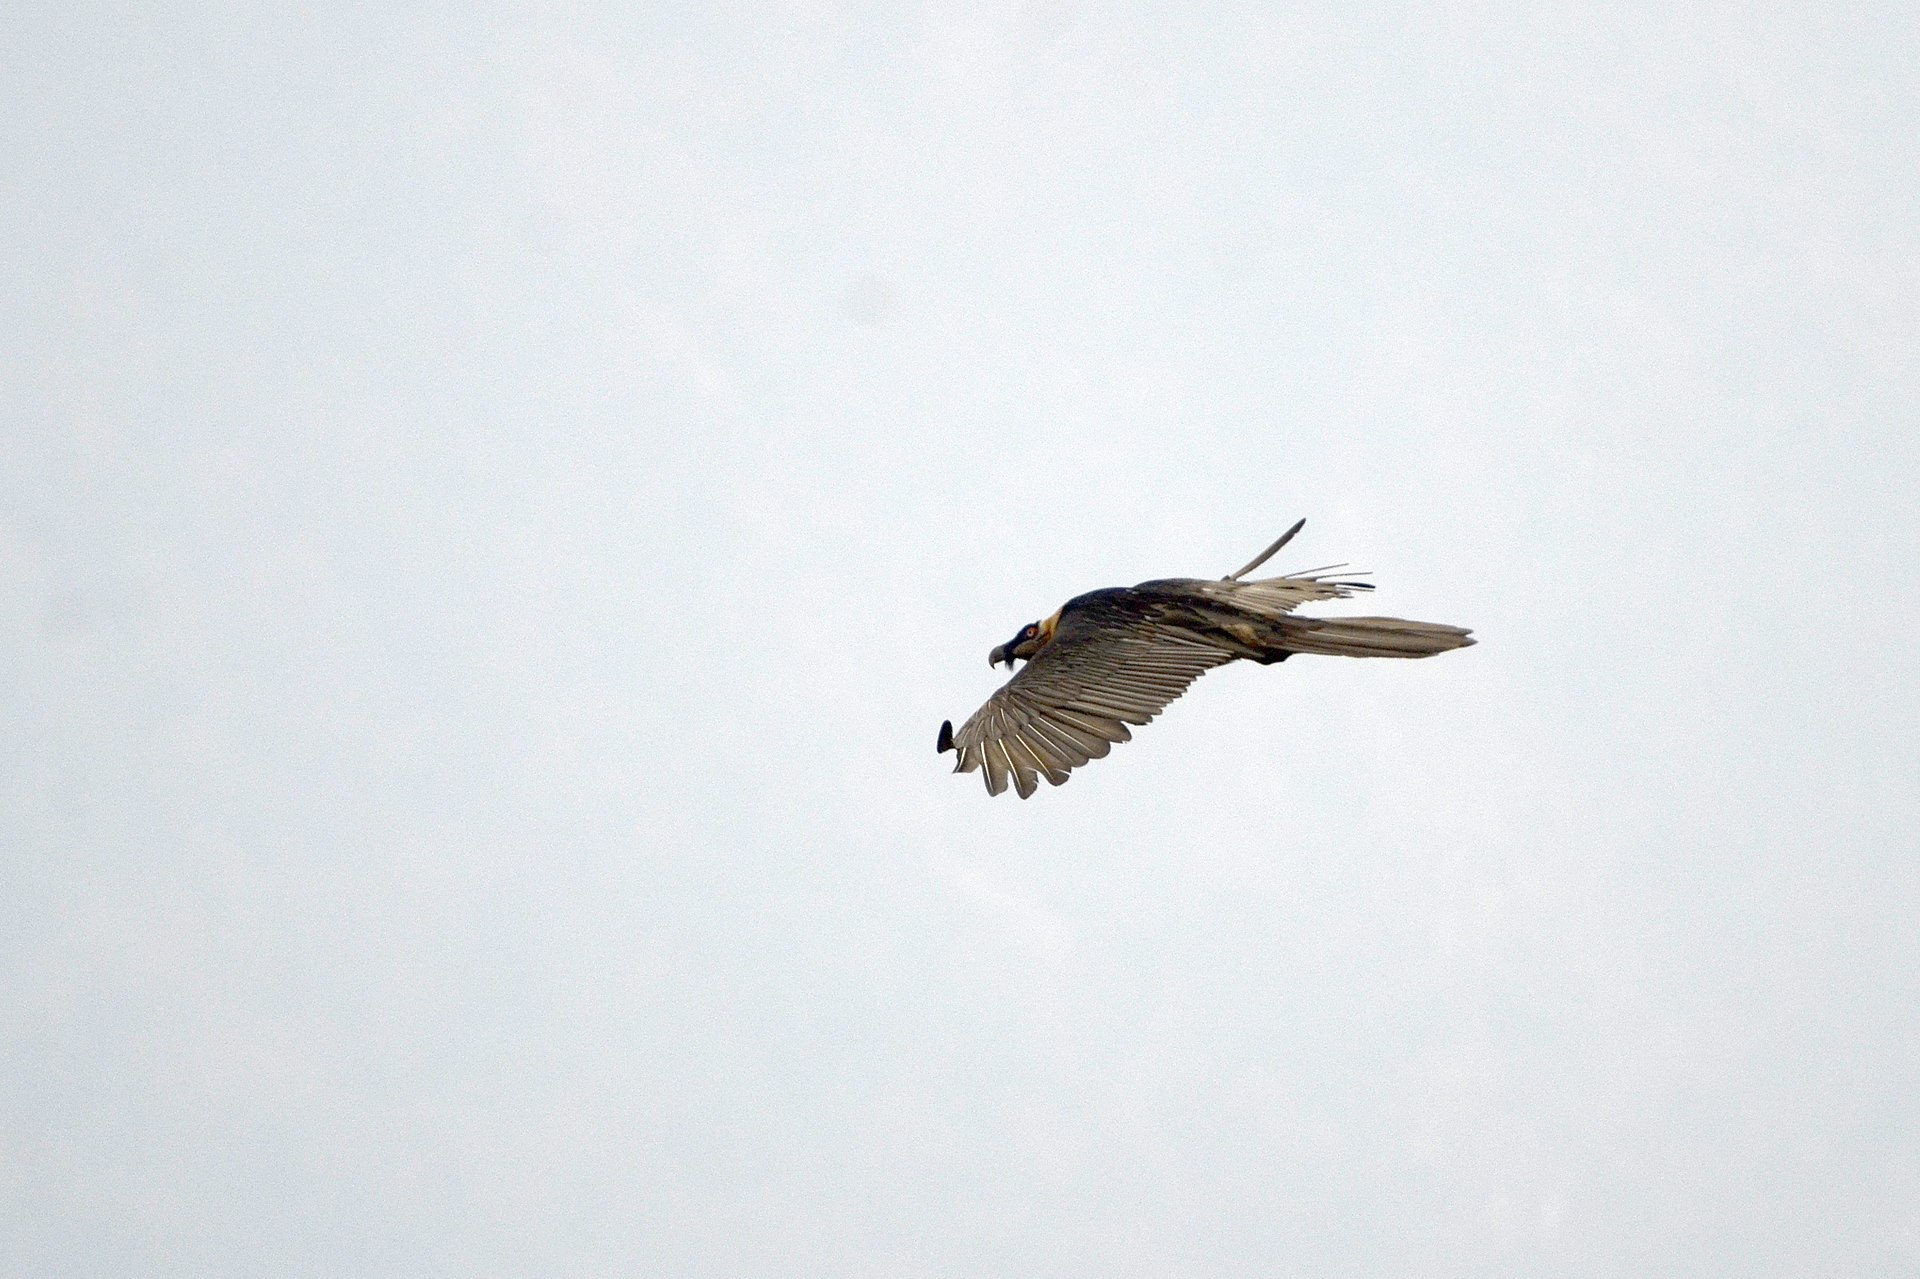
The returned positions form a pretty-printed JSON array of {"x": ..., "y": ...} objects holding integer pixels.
[
  {"x": 1270, "y": 596},
  {"x": 1115, "y": 661}
]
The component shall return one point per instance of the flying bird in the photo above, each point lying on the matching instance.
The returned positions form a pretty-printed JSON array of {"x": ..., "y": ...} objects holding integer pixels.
[{"x": 1118, "y": 656}]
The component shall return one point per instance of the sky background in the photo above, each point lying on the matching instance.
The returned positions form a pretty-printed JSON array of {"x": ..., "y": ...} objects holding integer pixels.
[{"x": 498, "y": 499}]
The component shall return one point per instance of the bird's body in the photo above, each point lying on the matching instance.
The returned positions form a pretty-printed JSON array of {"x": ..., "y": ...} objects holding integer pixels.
[{"x": 1118, "y": 656}]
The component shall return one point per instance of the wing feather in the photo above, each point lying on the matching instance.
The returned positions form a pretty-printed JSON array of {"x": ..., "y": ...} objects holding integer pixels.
[
  {"x": 1069, "y": 752},
  {"x": 1091, "y": 743},
  {"x": 1107, "y": 730},
  {"x": 998, "y": 768},
  {"x": 1023, "y": 748}
]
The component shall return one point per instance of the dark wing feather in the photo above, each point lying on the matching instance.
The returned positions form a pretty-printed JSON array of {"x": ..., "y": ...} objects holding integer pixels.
[{"x": 1111, "y": 664}]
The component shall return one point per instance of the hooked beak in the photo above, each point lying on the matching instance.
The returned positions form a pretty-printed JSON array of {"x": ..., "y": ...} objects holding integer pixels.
[{"x": 1021, "y": 646}]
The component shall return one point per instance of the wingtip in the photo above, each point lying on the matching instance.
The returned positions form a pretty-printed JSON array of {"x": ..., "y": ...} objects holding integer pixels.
[{"x": 945, "y": 743}]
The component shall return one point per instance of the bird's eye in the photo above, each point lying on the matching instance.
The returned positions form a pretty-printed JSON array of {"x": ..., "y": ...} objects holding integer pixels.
[{"x": 1032, "y": 631}]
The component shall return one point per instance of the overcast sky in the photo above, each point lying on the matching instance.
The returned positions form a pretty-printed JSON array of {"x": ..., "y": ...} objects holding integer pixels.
[{"x": 497, "y": 502}]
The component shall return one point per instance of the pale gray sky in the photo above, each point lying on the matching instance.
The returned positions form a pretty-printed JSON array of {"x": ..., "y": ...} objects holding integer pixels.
[{"x": 499, "y": 500}]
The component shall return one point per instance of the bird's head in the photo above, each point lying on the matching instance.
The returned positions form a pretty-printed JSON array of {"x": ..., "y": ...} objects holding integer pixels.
[{"x": 1030, "y": 639}]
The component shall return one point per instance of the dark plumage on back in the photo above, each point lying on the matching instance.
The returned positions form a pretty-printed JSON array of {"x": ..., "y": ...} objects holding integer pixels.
[{"x": 1115, "y": 657}]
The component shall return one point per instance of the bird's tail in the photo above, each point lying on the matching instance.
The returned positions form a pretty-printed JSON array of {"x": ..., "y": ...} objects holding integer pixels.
[{"x": 1370, "y": 637}]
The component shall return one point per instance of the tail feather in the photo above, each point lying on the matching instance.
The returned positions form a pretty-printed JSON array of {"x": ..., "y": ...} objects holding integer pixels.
[{"x": 1371, "y": 637}]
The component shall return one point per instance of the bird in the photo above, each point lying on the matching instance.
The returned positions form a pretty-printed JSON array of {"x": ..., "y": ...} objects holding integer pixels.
[{"x": 1118, "y": 656}]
